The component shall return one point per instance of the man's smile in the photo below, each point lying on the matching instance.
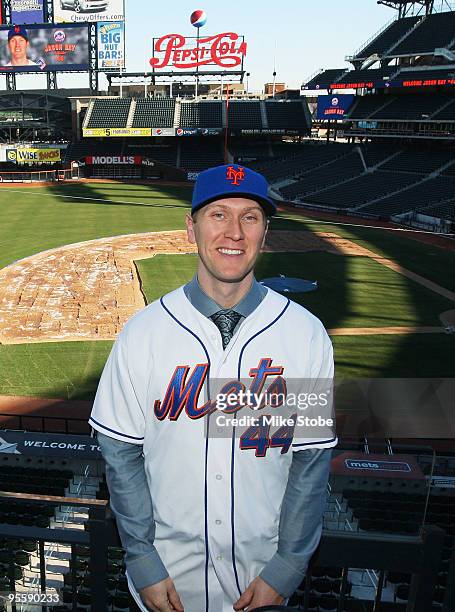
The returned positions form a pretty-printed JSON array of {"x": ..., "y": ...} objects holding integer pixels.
[{"x": 230, "y": 252}]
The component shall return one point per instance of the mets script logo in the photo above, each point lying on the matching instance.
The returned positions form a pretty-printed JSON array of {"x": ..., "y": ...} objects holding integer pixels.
[
  {"x": 234, "y": 175},
  {"x": 185, "y": 386}
]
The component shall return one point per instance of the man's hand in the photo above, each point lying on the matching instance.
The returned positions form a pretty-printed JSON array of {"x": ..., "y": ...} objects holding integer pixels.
[
  {"x": 257, "y": 594},
  {"x": 161, "y": 597}
]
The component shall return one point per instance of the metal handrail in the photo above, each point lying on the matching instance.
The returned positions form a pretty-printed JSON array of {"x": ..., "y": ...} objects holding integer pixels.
[
  {"x": 311, "y": 77},
  {"x": 365, "y": 44},
  {"x": 43, "y": 419},
  {"x": 98, "y": 538},
  {"x": 419, "y": 555}
]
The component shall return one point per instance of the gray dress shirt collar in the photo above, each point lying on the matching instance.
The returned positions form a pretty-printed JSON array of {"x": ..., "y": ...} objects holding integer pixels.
[{"x": 206, "y": 306}]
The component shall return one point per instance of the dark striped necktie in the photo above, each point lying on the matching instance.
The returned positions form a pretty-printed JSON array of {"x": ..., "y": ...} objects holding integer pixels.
[{"x": 226, "y": 321}]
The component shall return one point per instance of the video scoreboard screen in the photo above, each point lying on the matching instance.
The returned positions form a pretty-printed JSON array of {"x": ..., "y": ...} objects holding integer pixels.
[
  {"x": 27, "y": 11},
  {"x": 334, "y": 107},
  {"x": 44, "y": 48}
]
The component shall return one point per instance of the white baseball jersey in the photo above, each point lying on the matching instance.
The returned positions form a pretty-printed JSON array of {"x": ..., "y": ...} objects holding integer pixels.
[{"x": 216, "y": 501}]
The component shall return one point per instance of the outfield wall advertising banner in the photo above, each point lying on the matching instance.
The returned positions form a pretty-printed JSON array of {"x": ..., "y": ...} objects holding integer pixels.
[
  {"x": 334, "y": 107},
  {"x": 88, "y": 11},
  {"x": 42, "y": 48},
  {"x": 186, "y": 131},
  {"x": 115, "y": 160},
  {"x": 111, "y": 44},
  {"x": 210, "y": 131},
  {"x": 163, "y": 131},
  {"x": 266, "y": 131},
  {"x": 119, "y": 132},
  {"x": 116, "y": 132},
  {"x": 27, "y": 11},
  {"x": 28, "y": 155}
]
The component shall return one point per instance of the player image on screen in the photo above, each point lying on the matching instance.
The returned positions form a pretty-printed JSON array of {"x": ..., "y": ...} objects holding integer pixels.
[
  {"x": 18, "y": 45},
  {"x": 44, "y": 47}
]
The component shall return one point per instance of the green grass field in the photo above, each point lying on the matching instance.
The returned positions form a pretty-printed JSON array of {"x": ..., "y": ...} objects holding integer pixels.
[
  {"x": 35, "y": 219},
  {"x": 353, "y": 291}
]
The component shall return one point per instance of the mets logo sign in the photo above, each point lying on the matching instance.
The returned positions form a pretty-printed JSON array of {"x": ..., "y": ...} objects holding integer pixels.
[
  {"x": 225, "y": 50},
  {"x": 235, "y": 175}
]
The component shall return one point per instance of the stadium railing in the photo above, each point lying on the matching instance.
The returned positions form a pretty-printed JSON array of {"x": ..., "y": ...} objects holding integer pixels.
[
  {"x": 41, "y": 423},
  {"x": 96, "y": 537},
  {"x": 38, "y": 176},
  {"x": 418, "y": 555}
]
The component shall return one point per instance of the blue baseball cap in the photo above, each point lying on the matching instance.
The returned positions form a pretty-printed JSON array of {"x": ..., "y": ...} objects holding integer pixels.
[
  {"x": 231, "y": 181},
  {"x": 17, "y": 30}
]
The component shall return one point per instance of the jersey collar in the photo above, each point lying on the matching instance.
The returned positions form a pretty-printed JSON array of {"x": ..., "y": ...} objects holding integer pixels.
[{"x": 206, "y": 306}]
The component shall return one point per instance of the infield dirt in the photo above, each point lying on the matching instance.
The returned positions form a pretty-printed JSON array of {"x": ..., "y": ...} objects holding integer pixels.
[{"x": 88, "y": 290}]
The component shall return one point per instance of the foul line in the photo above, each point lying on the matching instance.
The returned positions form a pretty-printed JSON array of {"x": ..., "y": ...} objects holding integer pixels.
[
  {"x": 59, "y": 195},
  {"x": 389, "y": 229}
]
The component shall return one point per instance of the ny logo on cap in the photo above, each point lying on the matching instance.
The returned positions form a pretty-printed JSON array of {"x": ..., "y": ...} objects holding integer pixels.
[
  {"x": 234, "y": 175},
  {"x": 17, "y": 29}
]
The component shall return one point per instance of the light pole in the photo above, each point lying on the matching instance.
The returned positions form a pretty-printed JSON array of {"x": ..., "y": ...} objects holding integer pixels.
[
  {"x": 198, "y": 19},
  {"x": 274, "y": 72}
]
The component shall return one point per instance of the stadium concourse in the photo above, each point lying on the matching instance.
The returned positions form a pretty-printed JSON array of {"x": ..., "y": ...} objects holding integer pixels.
[{"x": 362, "y": 164}]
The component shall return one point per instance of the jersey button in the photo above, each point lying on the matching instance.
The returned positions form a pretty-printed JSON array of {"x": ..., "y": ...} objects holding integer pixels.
[
  {"x": 218, "y": 522},
  {"x": 219, "y": 557},
  {"x": 218, "y": 477}
]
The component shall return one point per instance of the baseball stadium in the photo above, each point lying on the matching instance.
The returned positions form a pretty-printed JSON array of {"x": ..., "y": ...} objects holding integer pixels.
[{"x": 95, "y": 184}]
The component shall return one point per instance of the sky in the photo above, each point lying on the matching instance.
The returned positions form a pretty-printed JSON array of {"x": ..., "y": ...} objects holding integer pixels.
[{"x": 301, "y": 36}]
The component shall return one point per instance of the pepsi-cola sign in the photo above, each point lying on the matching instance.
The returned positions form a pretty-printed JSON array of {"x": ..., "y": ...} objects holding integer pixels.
[{"x": 225, "y": 50}]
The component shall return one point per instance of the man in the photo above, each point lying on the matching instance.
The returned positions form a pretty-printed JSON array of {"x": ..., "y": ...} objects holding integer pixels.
[
  {"x": 18, "y": 45},
  {"x": 212, "y": 522}
]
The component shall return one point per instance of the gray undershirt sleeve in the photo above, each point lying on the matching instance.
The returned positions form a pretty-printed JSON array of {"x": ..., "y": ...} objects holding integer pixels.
[
  {"x": 131, "y": 504},
  {"x": 300, "y": 520}
]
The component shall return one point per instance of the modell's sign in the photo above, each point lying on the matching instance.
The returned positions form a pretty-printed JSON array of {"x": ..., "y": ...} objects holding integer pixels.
[
  {"x": 225, "y": 50},
  {"x": 116, "y": 160}
]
